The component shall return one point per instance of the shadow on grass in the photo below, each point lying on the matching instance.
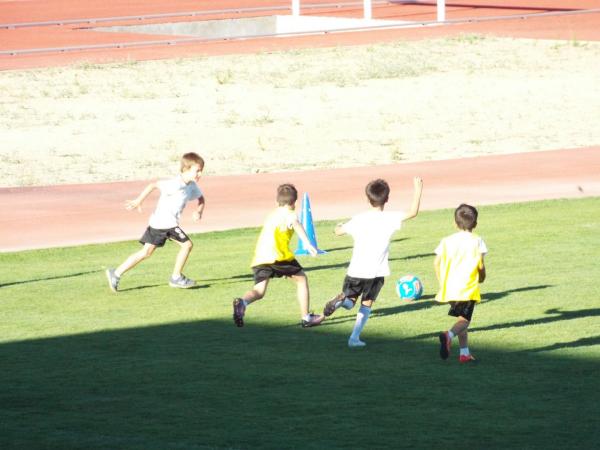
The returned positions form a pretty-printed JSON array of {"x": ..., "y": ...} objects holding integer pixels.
[
  {"x": 346, "y": 263},
  {"x": 487, "y": 297},
  {"x": 490, "y": 296},
  {"x": 337, "y": 249},
  {"x": 421, "y": 255},
  {"x": 243, "y": 277},
  {"x": 208, "y": 384},
  {"x": 583, "y": 342},
  {"x": 57, "y": 277},
  {"x": 149, "y": 286},
  {"x": 349, "y": 247},
  {"x": 403, "y": 307},
  {"x": 556, "y": 316}
]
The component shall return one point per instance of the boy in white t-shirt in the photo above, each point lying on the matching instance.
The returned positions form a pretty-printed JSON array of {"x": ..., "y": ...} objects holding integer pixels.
[
  {"x": 164, "y": 222},
  {"x": 371, "y": 231}
]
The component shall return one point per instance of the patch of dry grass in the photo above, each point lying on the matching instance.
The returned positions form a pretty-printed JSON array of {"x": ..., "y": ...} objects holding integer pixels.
[{"x": 300, "y": 109}]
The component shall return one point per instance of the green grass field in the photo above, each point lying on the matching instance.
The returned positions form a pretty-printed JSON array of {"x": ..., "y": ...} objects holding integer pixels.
[{"x": 156, "y": 368}]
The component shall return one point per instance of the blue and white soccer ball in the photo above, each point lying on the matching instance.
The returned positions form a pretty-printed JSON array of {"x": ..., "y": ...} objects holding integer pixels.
[{"x": 409, "y": 287}]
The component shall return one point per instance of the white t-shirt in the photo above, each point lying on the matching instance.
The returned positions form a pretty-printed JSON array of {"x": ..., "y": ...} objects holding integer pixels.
[
  {"x": 372, "y": 231},
  {"x": 174, "y": 194}
]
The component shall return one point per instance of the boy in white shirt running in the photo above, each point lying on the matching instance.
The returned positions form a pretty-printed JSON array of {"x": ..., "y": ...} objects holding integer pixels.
[
  {"x": 164, "y": 222},
  {"x": 371, "y": 231}
]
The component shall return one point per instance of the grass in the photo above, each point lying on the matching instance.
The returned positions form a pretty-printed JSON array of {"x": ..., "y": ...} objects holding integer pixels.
[{"x": 155, "y": 368}]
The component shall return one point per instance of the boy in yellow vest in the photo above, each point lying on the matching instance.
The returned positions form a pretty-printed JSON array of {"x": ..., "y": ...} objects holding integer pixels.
[
  {"x": 459, "y": 269},
  {"x": 273, "y": 257}
]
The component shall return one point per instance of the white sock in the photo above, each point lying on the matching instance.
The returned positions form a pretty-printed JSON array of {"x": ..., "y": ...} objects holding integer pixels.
[
  {"x": 464, "y": 351},
  {"x": 306, "y": 317},
  {"x": 361, "y": 319},
  {"x": 347, "y": 304},
  {"x": 245, "y": 302},
  {"x": 450, "y": 334}
]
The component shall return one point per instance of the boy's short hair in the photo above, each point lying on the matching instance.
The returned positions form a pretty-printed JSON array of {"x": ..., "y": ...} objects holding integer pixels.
[
  {"x": 189, "y": 159},
  {"x": 465, "y": 217},
  {"x": 286, "y": 194},
  {"x": 378, "y": 192}
]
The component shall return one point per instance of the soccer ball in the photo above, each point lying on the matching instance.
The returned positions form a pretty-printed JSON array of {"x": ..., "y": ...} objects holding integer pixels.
[{"x": 409, "y": 287}]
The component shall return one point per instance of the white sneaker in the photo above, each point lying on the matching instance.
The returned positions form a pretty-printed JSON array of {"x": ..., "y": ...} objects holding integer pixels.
[
  {"x": 356, "y": 343},
  {"x": 113, "y": 280},
  {"x": 182, "y": 282}
]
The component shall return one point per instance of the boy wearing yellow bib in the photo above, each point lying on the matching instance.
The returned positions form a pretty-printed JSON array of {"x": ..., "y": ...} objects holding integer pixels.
[
  {"x": 459, "y": 268},
  {"x": 273, "y": 257}
]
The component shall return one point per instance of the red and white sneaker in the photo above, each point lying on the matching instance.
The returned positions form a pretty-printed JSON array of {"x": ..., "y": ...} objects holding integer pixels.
[
  {"x": 445, "y": 344},
  {"x": 466, "y": 358}
]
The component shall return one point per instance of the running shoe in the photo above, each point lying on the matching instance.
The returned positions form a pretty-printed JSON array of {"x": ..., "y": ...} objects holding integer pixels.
[
  {"x": 356, "y": 343},
  {"x": 466, "y": 358},
  {"x": 312, "y": 321},
  {"x": 330, "y": 305},
  {"x": 182, "y": 282},
  {"x": 445, "y": 343},
  {"x": 239, "y": 309},
  {"x": 113, "y": 280}
]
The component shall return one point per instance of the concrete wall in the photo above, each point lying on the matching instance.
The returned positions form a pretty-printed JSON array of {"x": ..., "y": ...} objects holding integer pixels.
[{"x": 254, "y": 26}]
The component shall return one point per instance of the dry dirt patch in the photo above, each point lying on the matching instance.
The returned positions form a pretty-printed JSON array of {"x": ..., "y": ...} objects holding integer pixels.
[{"x": 337, "y": 107}]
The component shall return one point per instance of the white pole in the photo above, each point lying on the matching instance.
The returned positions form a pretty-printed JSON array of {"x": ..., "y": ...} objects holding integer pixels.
[
  {"x": 295, "y": 7},
  {"x": 441, "y": 10},
  {"x": 368, "y": 13}
]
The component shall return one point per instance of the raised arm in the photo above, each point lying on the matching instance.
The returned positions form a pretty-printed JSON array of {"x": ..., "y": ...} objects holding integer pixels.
[
  {"x": 416, "y": 203},
  {"x": 298, "y": 228},
  {"x": 137, "y": 203}
]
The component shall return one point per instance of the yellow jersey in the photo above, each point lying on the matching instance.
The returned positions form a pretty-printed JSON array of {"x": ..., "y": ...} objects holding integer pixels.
[
  {"x": 273, "y": 243},
  {"x": 461, "y": 257}
]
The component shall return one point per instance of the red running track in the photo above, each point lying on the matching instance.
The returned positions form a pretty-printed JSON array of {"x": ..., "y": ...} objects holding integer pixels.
[{"x": 80, "y": 214}]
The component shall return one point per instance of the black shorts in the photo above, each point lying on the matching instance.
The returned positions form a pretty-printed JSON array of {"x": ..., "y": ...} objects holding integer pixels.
[
  {"x": 278, "y": 269},
  {"x": 368, "y": 287},
  {"x": 159, "y": 237},
  {"x": 462, "y": 309}
]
